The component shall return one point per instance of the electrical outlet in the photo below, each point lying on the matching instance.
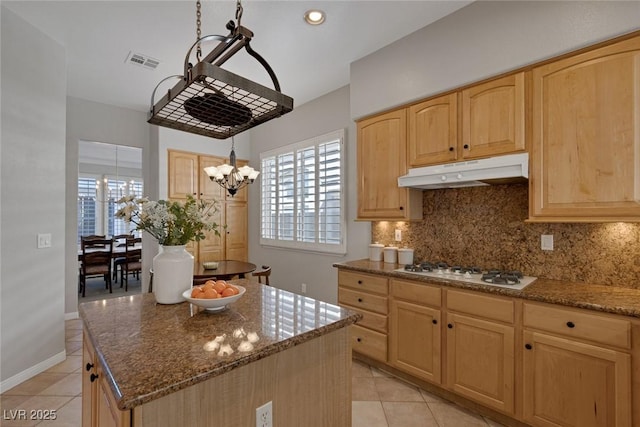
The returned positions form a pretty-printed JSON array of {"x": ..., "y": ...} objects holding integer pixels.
[
  {"x": 44, "y": 240},
  {"x": 546, "y": 242},
  {"x": 398, "y": 235},
  {"x": 264, "y": 415},
  {"x": 303, "y": 288}
]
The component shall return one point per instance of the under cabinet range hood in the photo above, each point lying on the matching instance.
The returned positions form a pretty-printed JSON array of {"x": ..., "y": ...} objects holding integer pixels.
[{"x": 509, "y": 168}]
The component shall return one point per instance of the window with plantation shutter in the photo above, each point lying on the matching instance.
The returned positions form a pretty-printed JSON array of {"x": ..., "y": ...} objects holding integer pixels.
[{"x": 302, "y": 202}]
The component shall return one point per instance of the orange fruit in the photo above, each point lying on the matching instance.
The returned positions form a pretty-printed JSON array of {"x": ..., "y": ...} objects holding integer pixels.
[
  {"x": 220, "y": 286},
  {"x": 228, "y": 292},
  {"x": 199, "y": 295},
  {"x": 235, "y": 290},
  {"x": 195, "y": 291},
  {"x": 210, "y": 282},
  {"x": 211, "y": 294}
]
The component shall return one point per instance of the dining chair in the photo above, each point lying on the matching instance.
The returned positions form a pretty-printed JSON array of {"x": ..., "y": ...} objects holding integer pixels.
[
  {"x": 264, "y": 272},
  {"x": 96, "y": 261},
  {"x": 132, "y": 262},
  {"x": 91, "y": 240},
  {"x": 120, "y": 241}
]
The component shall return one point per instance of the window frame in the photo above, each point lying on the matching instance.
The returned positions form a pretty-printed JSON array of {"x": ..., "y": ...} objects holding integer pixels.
[{"x": 295, "y": 243}]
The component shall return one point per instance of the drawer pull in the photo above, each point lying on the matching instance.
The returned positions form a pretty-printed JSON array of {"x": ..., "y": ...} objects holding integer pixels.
[
  {"x": 450, "y": 326},
  {"x": 465, "y": 146},
  {"x": 359, "y": 282},
  {"x": 450, "y": 148},
  {"x": 93, "y": 377},
  {"x": 359, "y": 299},
  {"x": 434, "y": 321},
  {"x": 89, "y": 366},
  {"x": 528, "y": 346},
  {"x": 571, "y": 325},
  {"x": 359, "y": 339}
]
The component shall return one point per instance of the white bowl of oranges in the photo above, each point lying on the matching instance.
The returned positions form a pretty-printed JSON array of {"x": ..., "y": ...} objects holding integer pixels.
[{"x": 214, "y": 295}]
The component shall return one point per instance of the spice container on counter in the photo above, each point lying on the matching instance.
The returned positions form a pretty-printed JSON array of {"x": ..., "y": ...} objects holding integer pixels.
[
  {"x": 375, "y": 251},
  {"x": 391, "y": 254},
  {"x": 405, "y": 256}
]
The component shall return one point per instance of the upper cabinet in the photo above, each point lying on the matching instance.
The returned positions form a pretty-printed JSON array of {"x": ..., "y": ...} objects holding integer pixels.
[
  {"x": 585, "y": 159},
  {"x": 382, "y": 158},
  {"x": 483, "y": 120}
]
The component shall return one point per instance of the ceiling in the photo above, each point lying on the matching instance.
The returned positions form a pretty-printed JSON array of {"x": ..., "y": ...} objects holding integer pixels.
[{"x": 309, "y": 61}]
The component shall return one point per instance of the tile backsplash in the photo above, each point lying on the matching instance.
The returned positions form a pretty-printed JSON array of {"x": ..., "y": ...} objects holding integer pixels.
[{"x": 485, "y": 226}]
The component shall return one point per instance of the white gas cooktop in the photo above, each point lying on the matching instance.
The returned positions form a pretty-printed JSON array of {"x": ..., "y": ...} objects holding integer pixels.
[{"x": 468, "y": 277}]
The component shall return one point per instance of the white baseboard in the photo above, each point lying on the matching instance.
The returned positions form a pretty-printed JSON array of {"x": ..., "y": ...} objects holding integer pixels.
[
  {"x": 71, "y": 316},
  {"x": 9, "y": 383}
]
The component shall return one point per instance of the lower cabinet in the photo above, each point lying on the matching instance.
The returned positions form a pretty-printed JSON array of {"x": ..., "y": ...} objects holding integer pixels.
[
  {"x": 415, "y": 330},
  {"x": 573, "y": 376},
  {"x": 480, "y": 349},
  {"x": 99, "y": 408}
]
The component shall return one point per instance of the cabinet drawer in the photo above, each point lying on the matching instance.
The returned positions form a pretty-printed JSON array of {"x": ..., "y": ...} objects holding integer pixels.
[
  {"x": 365, "y": 282},
  {"x": 370, "y": 320},
  {"x": 416, "y": 293},
  {"x": 578, "y": 324},
  {"x": 363, "y": 300},
  {"x": 481, "y": 305},
  {"x": 368, "y": 342}
]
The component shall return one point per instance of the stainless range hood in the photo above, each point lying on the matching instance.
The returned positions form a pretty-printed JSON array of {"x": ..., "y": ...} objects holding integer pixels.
[{"x": 472, "y": 173}]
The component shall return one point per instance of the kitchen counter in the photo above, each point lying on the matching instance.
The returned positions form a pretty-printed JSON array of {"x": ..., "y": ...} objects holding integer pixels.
[
  {"x": 608, "y": 299},
  {"x": 148, "y": 350}
]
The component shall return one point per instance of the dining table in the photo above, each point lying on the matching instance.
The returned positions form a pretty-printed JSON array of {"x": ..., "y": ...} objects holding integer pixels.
[
  {"x": 226, "y": 270},
  {"x": 116, "y": 252}
]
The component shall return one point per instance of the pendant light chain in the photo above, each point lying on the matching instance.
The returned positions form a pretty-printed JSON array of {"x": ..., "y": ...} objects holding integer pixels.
[
  {"x": 238, "y": 13},
  {"x": 198, "y": 30}
]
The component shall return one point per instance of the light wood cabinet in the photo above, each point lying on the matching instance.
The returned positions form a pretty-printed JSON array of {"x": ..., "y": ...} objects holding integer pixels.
[
  {"x": 367, "y": 295},
  {"x": 415, "y": 330},
  {"x": 99, "y": 408},
  {"x": 433, "y": 131},
  {"x": 187, "y": 176},
  {"x": 585, "y": 152},
  {"x": 483, "y": 120},
  {"x": 577, "y": 368},
  {"x": 382, "y": 158},
  {"x": 480, "y": 350}
]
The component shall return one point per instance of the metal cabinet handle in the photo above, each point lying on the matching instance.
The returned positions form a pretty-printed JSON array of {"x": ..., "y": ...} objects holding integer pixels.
[
  {"x": 89, "y": 366},
  {"x": 434, "y": 321},
  {"x": 359, "y": 282},
  {"x": 571, "y": 324},
  {"x": 359, "y": 299},
  {"x": 450, "y": 326},
  {"x": 465, "y": 146},
  {"x": 451, "y": 148},
  {"x": 93, "y": 377},
  {"x": 359, "y": 339},
  {"x": 528, "y": 346}
]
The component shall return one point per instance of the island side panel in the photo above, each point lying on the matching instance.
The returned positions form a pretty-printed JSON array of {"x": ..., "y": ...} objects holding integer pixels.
[{"x": 309, "y": 385}]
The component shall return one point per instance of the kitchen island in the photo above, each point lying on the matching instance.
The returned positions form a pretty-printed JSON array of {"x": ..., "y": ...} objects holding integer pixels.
[{"x": 168, "y": 365}]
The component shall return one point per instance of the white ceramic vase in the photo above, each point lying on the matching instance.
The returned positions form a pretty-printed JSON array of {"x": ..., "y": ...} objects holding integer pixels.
[{"x": 172, "y": 274}]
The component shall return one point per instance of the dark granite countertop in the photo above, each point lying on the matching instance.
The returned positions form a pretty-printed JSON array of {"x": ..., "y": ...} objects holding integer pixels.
[
  {"x": 150, "y": 350},
  {"x": 609, "y": 299}
]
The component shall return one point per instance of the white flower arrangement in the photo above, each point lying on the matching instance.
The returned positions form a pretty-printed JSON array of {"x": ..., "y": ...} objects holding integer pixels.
[{"x": 172, "y": 223}]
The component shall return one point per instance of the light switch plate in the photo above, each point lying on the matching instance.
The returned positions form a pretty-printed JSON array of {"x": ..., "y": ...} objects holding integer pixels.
[
  {"x": 398, "y": 235},
  {"x": 44, "y": 240},
  {"x": 546, "y": 242}
]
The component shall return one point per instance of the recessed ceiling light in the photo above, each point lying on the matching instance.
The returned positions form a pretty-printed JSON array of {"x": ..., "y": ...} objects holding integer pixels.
[{"x": 314, "y": 17}]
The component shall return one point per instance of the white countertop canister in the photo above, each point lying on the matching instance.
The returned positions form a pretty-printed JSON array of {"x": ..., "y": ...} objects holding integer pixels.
[
  {"x": 391, "y": 254},
  {"x": 405, "y": 256},
  {"x": 375, "y": 251}
]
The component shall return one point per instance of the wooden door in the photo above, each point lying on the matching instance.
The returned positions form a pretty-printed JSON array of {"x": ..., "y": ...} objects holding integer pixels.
[
  {"x": 433, "y": 131},
  {"x": 585, "y": 159},
  {"x": 415, "y": 340},
  {"x": 183, "y": 174},
  {"x": 493, "y": 117},
  {"x": 480, "y": 361},
  {"x": 382, "y": 158},
  {"x": 568, "y": 383},
  {"x": 236, "y": 233},
  {"x": 88, "y": 387}
]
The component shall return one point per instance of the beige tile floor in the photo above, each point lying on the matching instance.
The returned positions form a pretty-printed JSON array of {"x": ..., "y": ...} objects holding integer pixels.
[{"x": 379, "y": 400}]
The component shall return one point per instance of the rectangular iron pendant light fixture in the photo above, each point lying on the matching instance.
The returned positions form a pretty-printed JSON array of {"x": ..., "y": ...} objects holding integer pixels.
[{"x": 214, "y": 102}]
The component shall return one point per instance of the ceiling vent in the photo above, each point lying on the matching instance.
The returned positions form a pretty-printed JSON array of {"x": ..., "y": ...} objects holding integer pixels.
[{"x": 143, "y": 61}]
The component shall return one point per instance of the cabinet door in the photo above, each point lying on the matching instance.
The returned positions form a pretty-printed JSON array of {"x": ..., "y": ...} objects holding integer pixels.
[
  {"x": 88, "y": 387},
  {"x": 212, "y": 247},
  {"x": 568, "y": 383},
  {"x": 108, "y": 414},
  {"x": 382, "y": 158},
  {"x": 415, "y": 340},
  {"x": 585, "y": 159},
  {"x": 493, "y": 117},
  {"x": 183, "y": 174},
  {"x": 236, "y": 233},
  {"x": 480, "y": 361},
  {"x": 433, "y": 131}
]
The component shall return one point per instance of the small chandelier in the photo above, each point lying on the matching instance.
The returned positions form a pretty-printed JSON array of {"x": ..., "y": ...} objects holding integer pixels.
[{"x": 230, "y": 177}]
